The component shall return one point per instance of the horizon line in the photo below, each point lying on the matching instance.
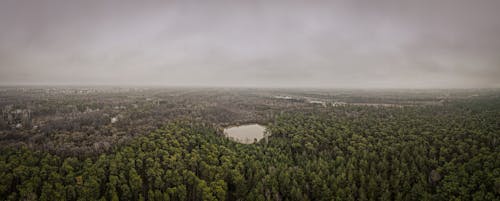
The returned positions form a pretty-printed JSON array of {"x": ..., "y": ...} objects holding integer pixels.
[{"x": 20, "y": 85}]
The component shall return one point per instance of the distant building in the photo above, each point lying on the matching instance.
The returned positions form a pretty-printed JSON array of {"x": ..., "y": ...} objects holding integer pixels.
[
  {"x": 338, "y": 104},
  {"x": 114, "y": 120}
]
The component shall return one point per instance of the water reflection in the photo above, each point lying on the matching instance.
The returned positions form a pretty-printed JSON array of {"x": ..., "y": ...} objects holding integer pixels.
[{"x": 246, "y": 134}]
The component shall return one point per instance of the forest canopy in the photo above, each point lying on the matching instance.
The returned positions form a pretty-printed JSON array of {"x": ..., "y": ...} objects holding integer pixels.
[{"x": 349, "y": 152}]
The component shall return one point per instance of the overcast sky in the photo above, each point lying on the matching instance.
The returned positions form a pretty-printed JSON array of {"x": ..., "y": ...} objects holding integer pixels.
[{"x": 334, "y": 44}]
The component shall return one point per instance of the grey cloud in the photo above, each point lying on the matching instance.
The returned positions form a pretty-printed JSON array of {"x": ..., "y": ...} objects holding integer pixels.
[{"x": 357, "y": 43}]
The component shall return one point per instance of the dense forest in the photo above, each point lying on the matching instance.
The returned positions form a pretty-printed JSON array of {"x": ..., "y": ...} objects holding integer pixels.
[
  {"x": 76, "y": 121},
  {"x": 348, "y": 152}
]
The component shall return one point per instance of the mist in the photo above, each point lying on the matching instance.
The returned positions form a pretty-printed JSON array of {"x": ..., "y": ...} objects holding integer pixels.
[{"x": 329, "y": 44}]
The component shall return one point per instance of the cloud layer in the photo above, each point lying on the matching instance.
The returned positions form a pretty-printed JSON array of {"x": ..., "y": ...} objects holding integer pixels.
[{"x": 396, "y": 44}]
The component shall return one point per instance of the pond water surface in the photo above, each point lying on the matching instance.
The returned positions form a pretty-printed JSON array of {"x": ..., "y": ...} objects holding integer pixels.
[{"x": 245, "y": 133}]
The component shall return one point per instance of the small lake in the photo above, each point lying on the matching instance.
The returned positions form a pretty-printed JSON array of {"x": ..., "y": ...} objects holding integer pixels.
[{"x": 245, "y": 133}]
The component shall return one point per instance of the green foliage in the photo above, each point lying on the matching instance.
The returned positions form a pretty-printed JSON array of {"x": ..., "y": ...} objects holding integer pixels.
[{"x": 343, "y": 153}]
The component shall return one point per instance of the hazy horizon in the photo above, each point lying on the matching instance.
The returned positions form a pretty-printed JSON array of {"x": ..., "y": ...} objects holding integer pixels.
[{"x": 252, "y": 44}]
